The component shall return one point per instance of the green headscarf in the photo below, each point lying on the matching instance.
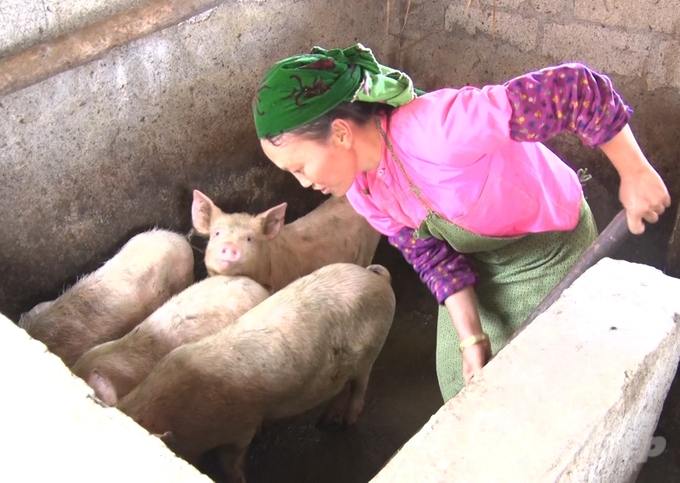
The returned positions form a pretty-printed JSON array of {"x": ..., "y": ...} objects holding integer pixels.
[{"x": 301, "y": 88}]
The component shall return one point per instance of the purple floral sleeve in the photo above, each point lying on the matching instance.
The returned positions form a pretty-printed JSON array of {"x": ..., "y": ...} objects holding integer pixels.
[
  {"x": 569, "y": 97},
  {"x": 439, "y": 266}
]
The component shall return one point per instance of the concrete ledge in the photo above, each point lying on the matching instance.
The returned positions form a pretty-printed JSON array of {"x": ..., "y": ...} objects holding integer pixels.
[
  {"x": 576, "y": 397},
  {"x": 54, "y": 431}
]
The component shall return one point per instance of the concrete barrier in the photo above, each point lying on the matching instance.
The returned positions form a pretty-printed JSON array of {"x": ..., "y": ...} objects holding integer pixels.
[
  {"x": 53, "y": 429},
  {"x": 576, "y": 397}
]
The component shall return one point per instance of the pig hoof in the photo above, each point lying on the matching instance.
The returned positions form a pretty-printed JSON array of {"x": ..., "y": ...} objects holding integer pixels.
[{"x": 330, "y": 424}]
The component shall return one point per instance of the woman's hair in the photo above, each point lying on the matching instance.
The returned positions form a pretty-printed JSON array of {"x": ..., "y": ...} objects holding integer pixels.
[{"x": 320, "y": 128}]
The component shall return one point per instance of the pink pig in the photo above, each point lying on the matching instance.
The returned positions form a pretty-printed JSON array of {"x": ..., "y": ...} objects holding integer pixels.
[{"x": 274, "y": 254}]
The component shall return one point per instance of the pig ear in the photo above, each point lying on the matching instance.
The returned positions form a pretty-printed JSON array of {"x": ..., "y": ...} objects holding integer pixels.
[
  {"x": 103, "y": 388},
  {"x": 272, "y": 220},
  {"x": 167, "y": 437},
  {"x": 202, "y": 210}
]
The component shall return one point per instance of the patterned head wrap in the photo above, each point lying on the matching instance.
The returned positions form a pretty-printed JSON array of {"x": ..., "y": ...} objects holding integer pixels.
[{"x": 301, "y": 88}]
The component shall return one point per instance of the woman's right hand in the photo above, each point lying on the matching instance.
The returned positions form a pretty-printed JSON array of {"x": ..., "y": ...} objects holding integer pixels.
[
  {"x": 474, "y": 358},
  {"x": 462, "y": 306}
]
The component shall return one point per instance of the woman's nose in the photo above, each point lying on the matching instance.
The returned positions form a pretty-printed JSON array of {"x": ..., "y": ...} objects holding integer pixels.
[{"x": 303, "y": 181}]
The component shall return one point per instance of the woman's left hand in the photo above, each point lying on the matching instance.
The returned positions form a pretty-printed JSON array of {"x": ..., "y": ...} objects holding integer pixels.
[
  {"x": 642, "y": 192},
  {"x": 644, "y": 196}
]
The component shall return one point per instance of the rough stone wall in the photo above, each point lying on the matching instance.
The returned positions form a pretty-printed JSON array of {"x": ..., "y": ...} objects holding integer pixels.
[
  {"x": 24, "y": 23},
  {"x": 636, "y": 42},
  {"x": 92, "y": 156}
]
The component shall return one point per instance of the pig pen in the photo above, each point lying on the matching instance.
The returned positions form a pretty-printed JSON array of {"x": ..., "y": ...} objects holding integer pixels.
[{"x": 95, "y": 153}]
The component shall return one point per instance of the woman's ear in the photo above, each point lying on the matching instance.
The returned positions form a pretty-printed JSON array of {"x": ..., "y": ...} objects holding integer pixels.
[{"x": 342, "y": 133}]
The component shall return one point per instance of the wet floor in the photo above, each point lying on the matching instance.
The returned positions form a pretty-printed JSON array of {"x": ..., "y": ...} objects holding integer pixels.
[{"x": 402, "y": 395}]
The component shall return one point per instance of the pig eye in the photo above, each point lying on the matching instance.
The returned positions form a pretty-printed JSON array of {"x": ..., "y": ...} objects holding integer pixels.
[
  {"x": 249, "y": 238},
  {"x": 217, "y": 233}
]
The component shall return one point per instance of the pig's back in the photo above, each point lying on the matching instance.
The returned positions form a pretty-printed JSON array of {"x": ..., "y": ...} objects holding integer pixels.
[
  {"x": 198, "y": 311},
  {"x": 106, "y": 304},
  {"x": 325, "y": 326},
  {"x": 332, "y": 233},
  {"x": 204, "y": 308},
  {"x": 290, "y": 353},
  {"x": 149, "y": 255}
]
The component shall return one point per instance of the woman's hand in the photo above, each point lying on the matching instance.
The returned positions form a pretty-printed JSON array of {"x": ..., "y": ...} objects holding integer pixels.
[
  {"x": 644, "y": 196},
  {"x": 463, "y": 309},
  {"x": 474, "y": 358},
  {"x": 642, "y": 192}
]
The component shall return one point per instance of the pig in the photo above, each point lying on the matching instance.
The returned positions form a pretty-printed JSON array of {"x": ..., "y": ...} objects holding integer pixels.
[
  {"x": 274, "y": 254},
  {"x": 312, "y": 342},
  {"x": 114, "y": 368},
  {"x": 107, "y": 303}
]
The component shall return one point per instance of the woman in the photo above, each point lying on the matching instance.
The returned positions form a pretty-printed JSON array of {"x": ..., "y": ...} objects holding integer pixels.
[{"x": 458, "y": 179}]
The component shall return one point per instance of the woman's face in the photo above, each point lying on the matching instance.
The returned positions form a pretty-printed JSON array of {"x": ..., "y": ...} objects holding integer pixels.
[{"x": 329, "y": 166}]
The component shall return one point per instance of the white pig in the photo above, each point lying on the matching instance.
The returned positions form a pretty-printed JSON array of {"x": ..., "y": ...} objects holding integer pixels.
[
  {"x": 114, "y": 368},
  {"x": 106, "y": 304},
  {"x": 312, "y": 342},
  {"x": 274, "y": 254}
]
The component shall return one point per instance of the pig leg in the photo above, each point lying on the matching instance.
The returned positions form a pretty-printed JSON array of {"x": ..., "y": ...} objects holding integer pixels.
[
  {"x": 344, "y": 409},
  {"x": 232, "y": 458},
  {"x": 356, "y": 399},
  {"x": 334, "y": 415},
  {"x": 191, "y": 457},
  {"x": 368, "y": 248}
]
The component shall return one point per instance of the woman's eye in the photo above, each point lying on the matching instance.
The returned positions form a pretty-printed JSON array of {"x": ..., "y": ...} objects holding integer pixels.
[{"x": 298, "y": 171}]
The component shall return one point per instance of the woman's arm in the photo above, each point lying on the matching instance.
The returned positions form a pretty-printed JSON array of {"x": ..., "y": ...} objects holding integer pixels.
[
  {"x": 573, "y": 98},
  {"x": 450, "y": 277},
  {"x": 565, "y": 98},
  {"x": 463, "y": 309},
  {"x": 438, "y": 265}
]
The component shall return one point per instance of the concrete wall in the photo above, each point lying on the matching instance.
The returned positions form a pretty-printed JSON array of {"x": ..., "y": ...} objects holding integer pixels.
[
  {"x": 636, "y": 42},
  {"x": 574, "y": 398},
  {"x": 60, "y": 431},
  {"x": 24, "y": 23},
  {"x": 93, "y": 155}
]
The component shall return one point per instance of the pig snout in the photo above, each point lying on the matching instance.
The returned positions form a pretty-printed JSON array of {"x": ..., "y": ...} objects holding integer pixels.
[{"x": 229, "y": 252}]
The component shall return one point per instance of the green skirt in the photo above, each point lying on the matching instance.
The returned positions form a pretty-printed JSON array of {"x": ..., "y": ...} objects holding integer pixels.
[{"x": 514, "y": 276}]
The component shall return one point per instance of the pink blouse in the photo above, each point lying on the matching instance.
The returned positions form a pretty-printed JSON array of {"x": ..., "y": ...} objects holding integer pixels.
[{"x": 466, "y": 151}]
